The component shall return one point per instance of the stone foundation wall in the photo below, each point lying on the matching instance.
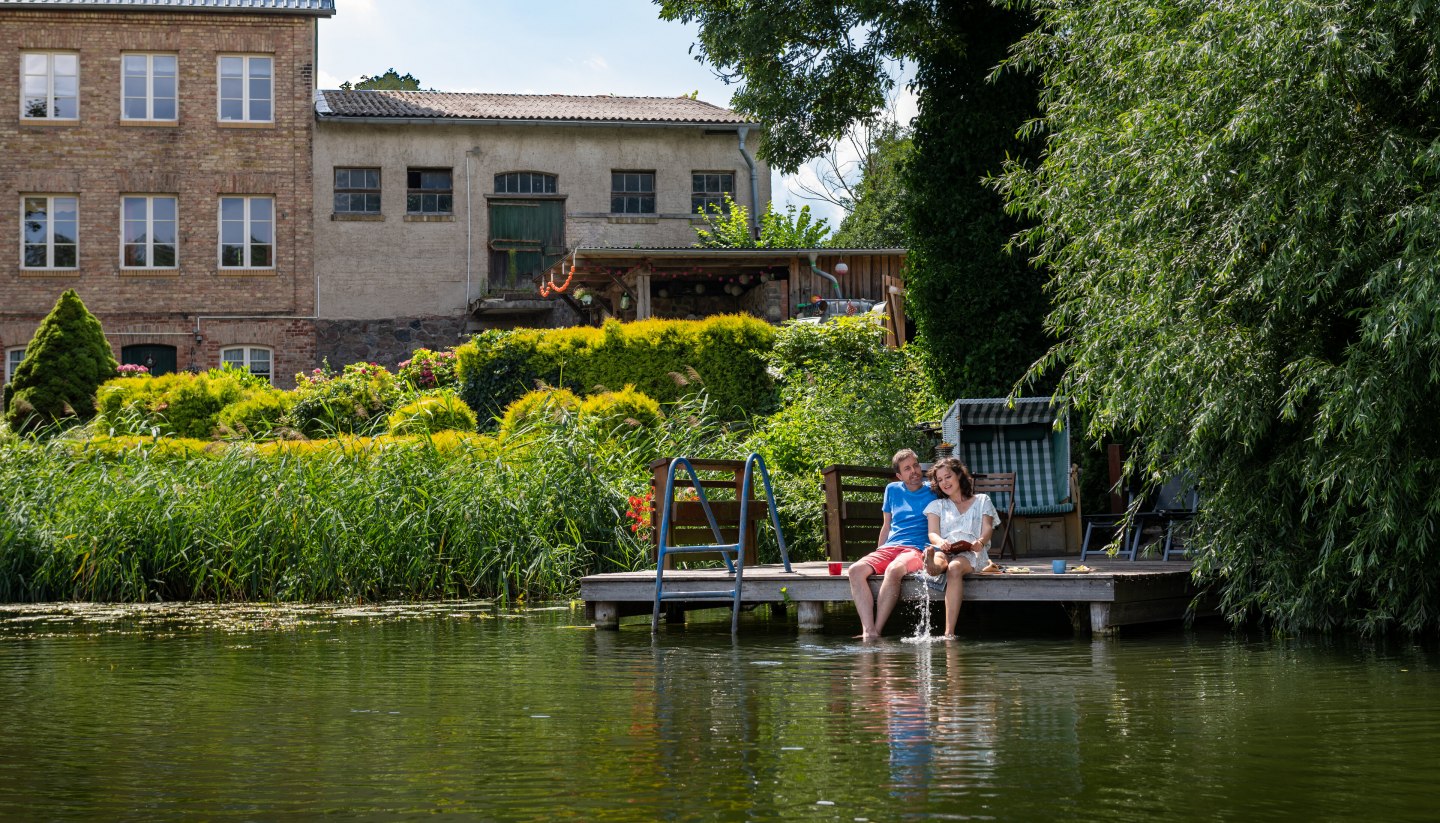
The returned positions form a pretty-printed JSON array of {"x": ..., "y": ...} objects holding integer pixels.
[{"x": 387, "y": 342}]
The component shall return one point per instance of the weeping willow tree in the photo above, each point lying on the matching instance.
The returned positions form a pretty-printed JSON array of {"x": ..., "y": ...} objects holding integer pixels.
[{"x": 1240, "y": 203}]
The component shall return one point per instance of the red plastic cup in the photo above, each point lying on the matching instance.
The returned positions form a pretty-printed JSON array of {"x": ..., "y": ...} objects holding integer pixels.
[{"x": 835, "y": 569}]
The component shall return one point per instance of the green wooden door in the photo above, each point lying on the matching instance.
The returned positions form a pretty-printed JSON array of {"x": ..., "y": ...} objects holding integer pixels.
[
  {"x": 526, "y": 237},
  {"x": 158, "y": 359}
]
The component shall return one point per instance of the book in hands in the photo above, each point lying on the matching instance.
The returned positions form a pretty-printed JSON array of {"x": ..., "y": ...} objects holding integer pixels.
[{"x": 961, "y": 546}]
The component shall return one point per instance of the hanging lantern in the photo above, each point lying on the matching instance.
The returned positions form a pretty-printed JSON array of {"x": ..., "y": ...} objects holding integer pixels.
[{"x": 699, "y": 288}]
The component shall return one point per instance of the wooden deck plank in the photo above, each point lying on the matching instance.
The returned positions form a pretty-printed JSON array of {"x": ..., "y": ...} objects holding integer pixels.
[{"x": 1112, "y": 582}]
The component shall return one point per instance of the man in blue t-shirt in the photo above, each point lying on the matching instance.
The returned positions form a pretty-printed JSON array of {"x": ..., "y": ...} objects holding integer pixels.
[{"x": 904, "y": 532}]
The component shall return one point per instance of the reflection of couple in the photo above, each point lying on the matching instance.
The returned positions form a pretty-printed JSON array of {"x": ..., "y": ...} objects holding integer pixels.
[
  {"x": 940, "y": 734},
  {"x": 946, "y": 517}
]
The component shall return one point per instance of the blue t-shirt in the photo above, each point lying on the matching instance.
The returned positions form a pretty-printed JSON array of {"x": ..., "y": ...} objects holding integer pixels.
[{"x": 908, "y": 525}]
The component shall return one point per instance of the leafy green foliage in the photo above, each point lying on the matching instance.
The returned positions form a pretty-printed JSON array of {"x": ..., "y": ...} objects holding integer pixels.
[
  {"x": 877, "y": 217},
  {"x": 65, "y": 362},
  {"x": 726, "y": 352},
  {"x": 620, "y": 412},
  {"x": 437, "y": 410},
  {"x": 729, "y": 228},
  {"x": 846, "y": 398},
  {"x": 259, "y": 413},
  {"x": 1239, "y": 204},
  {"x": 179, "y": 404},
  {"x": 391, "y": 80},
  {"x": 977, "y": 308},
  {"x": 809, "y": 69},
  {"x": 532, "y": 408},
  {"x": 428, "y": 369},
  {"x": 355, "y": 401}
]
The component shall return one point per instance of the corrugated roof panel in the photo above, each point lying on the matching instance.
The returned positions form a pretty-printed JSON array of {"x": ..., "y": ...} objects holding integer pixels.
[
  {"x": 561, "y": 107},
  {"x": 317, "y": 8}
]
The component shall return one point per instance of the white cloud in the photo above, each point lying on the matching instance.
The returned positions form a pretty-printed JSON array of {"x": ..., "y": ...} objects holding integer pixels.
[
  {"x": 326, "y": 80},
  {"x": 596, "y": 63}
]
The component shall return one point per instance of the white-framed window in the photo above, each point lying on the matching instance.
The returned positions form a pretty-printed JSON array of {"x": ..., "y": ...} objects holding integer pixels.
[
  {"x": 13, "y": 357},
  {"x": 632, "y": 192},
  {"x": 247, "y": 232},
  {"x": 247, "y": 88},
  {"x": 50, "y": 228},
  {"x": 708, "y": 188},
  {"x": 148, "y": 86},
  {"x": 357, "y": 190},
  {"x": 257, "y": 359},
  {"x": 148, "y": 238},
  {"x": 49, "y": 85}
]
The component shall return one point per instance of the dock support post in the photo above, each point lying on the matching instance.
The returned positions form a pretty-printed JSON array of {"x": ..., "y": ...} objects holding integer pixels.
[
  {"x": 607, "y": 615},
  {"x": 811, "y": 614},
  {"x": 1100, "y": 625}
]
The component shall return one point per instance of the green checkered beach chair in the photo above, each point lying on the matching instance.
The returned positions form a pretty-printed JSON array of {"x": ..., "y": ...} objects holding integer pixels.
[{"x": 995, "y": 437}]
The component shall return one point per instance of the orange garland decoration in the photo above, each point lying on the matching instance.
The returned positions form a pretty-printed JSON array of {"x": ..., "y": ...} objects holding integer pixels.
[{"x": 546, "y": 288}]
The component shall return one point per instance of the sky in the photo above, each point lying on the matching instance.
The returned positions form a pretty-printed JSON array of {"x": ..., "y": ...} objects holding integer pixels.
[{"x": 617, "y": 47}]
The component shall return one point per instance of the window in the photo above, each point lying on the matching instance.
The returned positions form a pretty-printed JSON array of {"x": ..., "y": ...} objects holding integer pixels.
[
  {"x": 12, "y": 361},
  {"x": 254, "y": 358},
  {"x": 357, "y": 191},
  {"x": 247, "y": 232},
  {"x": 147, "y": 233},
  {"x": 51, "y": 225},
  {"x": 147, "y": 87},
  {"x": 708, "y": 188},
  {"x": 524, "y": 182},
  {"x": 428, "y": 191},
  {"x": 245, "y": 89},
  {"x": 50, "y": 86},
  {"x": 632, "y": 192}
]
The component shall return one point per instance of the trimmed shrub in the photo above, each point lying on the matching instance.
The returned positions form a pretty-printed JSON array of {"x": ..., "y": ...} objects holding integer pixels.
[
  {"x": 538, "y": 406},
  {"x": 727, "y": 352},
  {"x": 437, "y": 411},
  {"x": 609, "y": 411},
  {"x": 355, "y": 401},
  {"x": 64, "y": 364},
  {"x": 180, "y": 404},
  {"x": 257, "y": 414}
]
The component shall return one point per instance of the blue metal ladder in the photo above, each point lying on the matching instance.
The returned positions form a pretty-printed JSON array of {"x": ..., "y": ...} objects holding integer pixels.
[{"x": 735, "y": 566}]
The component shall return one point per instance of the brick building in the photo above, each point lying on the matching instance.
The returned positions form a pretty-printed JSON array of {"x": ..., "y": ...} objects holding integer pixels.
[
  {"x": 436, "y": 211},
  {"x": 157, "y": 159}
]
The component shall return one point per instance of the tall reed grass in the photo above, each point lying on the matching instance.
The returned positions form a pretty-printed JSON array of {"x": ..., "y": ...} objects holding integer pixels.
[{"x": 441, "y": 516}]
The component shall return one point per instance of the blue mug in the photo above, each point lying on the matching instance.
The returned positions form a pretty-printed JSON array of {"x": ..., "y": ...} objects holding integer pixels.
[{"x": 1057, "y": 566}]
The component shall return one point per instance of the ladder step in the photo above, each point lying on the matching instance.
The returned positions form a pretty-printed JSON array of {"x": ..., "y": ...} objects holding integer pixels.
[
  {"x": 695, "y": 595},
  {"x": 727, "y": 547}
]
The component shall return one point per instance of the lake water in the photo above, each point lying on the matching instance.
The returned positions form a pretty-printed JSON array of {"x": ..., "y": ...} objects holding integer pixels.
[{"x": 191, "y": 712}]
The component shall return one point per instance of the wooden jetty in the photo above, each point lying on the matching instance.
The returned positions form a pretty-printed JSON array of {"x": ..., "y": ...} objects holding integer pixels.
[{"x": 1117, "y": 593}]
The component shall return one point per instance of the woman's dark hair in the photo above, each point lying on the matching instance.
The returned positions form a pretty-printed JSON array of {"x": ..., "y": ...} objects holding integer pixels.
[{"x": 962, "y": 474}]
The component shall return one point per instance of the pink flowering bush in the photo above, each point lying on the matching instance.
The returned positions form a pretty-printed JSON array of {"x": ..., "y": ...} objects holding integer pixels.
[
  {"x": 428, "y": 369},
  {"x": 133, "y": 370},
  {"x": 355, "y": 401}
]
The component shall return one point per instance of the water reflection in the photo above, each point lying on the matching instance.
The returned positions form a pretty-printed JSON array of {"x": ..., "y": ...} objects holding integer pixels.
[{"x": 396, "y": 710}]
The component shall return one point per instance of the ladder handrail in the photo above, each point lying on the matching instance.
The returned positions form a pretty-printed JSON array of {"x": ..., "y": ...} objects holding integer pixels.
[
  {"x": 735, "y": 567},
  {"x": 751, "y": 463},
  {"x": 704, "y": 504}
]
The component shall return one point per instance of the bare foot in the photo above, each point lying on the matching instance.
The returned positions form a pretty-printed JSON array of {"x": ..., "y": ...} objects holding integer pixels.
[{"x": 949, "y": 638}]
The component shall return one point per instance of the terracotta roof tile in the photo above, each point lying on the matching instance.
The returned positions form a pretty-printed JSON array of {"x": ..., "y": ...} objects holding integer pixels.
[{"x": 465, "y": 105}]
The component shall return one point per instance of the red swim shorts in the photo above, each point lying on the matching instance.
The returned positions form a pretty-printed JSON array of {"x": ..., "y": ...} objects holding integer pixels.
[{"x": 881, "y": 558}]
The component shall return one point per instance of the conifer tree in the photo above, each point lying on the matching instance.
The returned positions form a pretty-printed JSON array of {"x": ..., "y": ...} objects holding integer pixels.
[{"x": 64, "y": 365}]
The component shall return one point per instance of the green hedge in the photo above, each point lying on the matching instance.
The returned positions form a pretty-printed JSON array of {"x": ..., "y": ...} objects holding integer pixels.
[
  {"x": 180, "y": 404},
  {"x": 657, "y": 357}
]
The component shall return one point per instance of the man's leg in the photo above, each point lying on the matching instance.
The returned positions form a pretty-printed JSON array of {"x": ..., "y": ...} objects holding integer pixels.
[
  {"x": 864, "y": 602},
  {"x": 890, "y": 587}
]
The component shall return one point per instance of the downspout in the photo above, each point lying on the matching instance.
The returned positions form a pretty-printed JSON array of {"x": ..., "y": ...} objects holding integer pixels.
[
  {"x": 469, "y": 221},
  {"x": 754, "y": 185},
  {"x": 839, "y": 295}
]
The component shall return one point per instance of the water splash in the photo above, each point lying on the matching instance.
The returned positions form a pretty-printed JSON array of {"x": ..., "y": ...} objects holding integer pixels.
[{"x": 922, "y": 602}]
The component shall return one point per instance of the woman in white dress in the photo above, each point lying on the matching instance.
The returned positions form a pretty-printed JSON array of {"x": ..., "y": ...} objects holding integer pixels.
[{"x": 961, "y": 523}]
